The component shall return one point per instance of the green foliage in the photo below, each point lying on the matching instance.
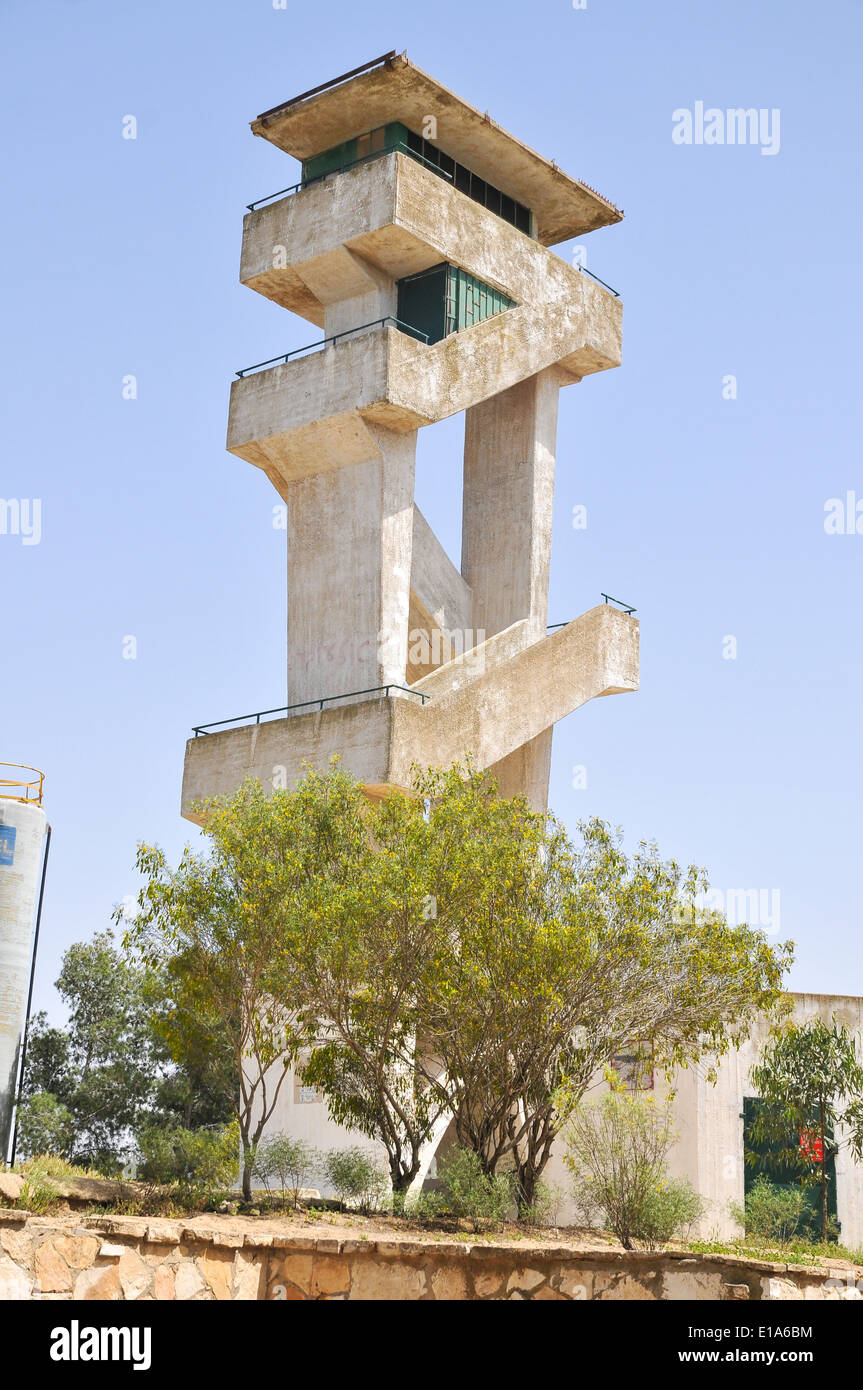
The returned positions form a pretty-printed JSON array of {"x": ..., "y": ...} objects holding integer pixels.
[
  {"x": 810, "y": 1079},
  {"x": 670, "y": 1210},
  {"x": 470, "y": 1193},
  {"x": 796, "y": 1251},
  {"x": 39, "y": 1194},
  {"x": 770, "y": 1211},
  {"x": 544, "y": 1210},
  {"x": 45, "y": 1126},
  {"x": 218, "y": 929},
  {"x": 87, "y": 1087},
  {"x": 356, "y": 1177},
  {"x": 372, "y": 942},
  {"x": 323, "y": 921},
  {"x": 103, "y": 1067},
  {"x": 201, "y": 1159},
  {"x": 618, "y": 1147},
  {"x": 423, "y": 1206},
  {"x": 551, "y": 956},
  {"x": 292, "y": 1162}
]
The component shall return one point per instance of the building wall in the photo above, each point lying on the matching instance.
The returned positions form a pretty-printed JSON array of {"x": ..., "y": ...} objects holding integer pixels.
[{"x": 708, "y": 1121}]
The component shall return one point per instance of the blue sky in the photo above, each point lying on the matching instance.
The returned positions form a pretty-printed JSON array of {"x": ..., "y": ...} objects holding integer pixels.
[{"x": 707, "y": 514}]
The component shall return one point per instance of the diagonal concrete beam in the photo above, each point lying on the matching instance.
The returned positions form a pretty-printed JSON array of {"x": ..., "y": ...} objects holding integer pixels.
[{"x": 490, "y": 707}]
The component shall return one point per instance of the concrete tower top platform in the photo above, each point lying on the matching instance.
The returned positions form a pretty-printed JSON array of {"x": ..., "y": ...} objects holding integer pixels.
[{"x": 397, "y": 90}]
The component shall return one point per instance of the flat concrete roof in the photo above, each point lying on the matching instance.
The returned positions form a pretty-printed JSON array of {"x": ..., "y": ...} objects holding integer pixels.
[{"x": 397, "y": 90}]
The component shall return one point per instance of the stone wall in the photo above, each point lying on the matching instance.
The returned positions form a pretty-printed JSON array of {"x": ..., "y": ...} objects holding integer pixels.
[{"x": 117, "y": 1258}]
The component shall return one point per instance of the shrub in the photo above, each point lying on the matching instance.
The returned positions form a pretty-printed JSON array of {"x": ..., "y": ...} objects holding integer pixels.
[
  {"x": 356, "y": 1177},
  {"x": 201, "y": 1160},
  {"x": 544, "y": 1210},
  {"x": 418, "y": 1206},
  {"x": 770, "y": 1210},
  {"x": 291, "y": 1161},
  {"x": 39, "y": 1193},
  {"x": 671, "y": 1209},
  {"x": 471, "y": 1194},
  {"x": 618, "y": 1147}
]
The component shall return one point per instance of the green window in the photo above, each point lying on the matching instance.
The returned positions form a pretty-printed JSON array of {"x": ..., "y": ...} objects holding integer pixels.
[
  {"x": 387, "y": 138},
  {"x": 445, "y": 299}
]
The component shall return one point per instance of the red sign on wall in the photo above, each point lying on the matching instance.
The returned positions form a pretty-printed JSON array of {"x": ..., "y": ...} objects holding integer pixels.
[{"x": 810, "y": 1145}]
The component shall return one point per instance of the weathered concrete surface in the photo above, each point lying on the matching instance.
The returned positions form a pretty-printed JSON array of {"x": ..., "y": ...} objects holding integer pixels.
[
  {"x": 349, "y": 564},
  {"x": 392, "y": 214},
  {"x": 489, "y": 702},
  {"x": 312, "y": 413},
  {"x": 135, "y": 1259},
  {"x": 373, "y": 600},
  {"x": 436, "y": 582},
  {"x": 402, "y": 92},
  {"x": 509, "y": 457}
]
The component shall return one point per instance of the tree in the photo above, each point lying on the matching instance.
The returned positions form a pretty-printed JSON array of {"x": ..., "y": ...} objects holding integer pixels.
[
  {"x": 553, "y": 956},
  {"x": 218, "y": 931},
  {"x": 441, "y": 951},
  {"x": 91, "y": 1085},
  {"x": 373, "y": 937},
  {"x": 810, "y": 1082},
  {"x": 102, "y": 1069},
  {"x": 45, "y": 1126}
]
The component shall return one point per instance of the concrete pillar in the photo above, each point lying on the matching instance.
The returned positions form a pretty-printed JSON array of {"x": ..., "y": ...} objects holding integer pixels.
[
  {"x": 525, "y": 772},
  {"x": 349, "y": 563},
  {"x": 509, "y": 451}
]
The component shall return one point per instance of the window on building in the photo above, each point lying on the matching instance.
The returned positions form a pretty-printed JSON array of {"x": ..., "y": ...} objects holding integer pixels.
[
  {"x": 303, "y": 1093},
  {"x": 396, "y": 136},
  {"x": 445, "y": 299}
]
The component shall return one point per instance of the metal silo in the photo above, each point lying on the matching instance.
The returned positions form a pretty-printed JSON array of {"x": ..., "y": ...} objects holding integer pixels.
[{"x": 23, "y": 827}]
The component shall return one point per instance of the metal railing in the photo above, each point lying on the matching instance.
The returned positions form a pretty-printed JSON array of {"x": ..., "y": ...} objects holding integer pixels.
[
  {"x": 326, "y": 86},
  {"x": 627, "y": 608},
  {"x": 334, "y": 338},
  {"x": 21, "y": 788},
  {"x": 240, "y": 719},
  {"x": 552, "y": 627},
  {"x": 398, "y": 148},
  {"x": 604, "y": 283}
]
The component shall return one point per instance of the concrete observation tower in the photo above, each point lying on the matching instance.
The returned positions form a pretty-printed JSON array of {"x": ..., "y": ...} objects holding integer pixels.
[{"x": 418, "y": 241}]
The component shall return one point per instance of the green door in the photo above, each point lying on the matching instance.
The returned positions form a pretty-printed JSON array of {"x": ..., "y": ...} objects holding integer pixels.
[{"x": 764, "y": 1159}]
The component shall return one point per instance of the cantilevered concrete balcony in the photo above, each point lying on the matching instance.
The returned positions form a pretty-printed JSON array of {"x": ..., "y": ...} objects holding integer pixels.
[
  {"x": 563, "y": 207},
  {"x": 392, "y": 216},
  {"x": 315, "y": 412},
  {"x": 488, "y": 702}
]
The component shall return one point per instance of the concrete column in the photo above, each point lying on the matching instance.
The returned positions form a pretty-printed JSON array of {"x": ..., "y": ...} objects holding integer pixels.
[
  {"x": 526, "y": 771},
  {"x": 349, "y": 562},
  {"x": 509, "y": 450}
]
